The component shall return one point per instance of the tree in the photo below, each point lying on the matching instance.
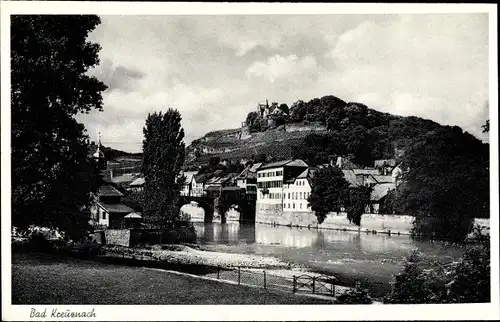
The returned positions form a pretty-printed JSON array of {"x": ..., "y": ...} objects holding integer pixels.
[
  {"x": 486, "y": 127},
  {"x": 330, "y": 191},
  {"x": 261, "y": 158},
  {"x": 214, "y": 161},
  {"x": 417, "y": 285},
  {"x": 297, "y": 112},
  {"x": 283, "y": 107},
  {"x": 52, "y": 176},
  {"x": 359, "y": 198},
  {"x": 134, "y": 200},
  {"x": 163, "y": 157},
  {"x": 254, "y": 122},
  {"x": 447, "y": 184}
]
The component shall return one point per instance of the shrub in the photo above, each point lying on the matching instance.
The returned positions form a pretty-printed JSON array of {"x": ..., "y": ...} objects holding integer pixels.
[
  {"x": 464, "y": 281},
  {"x": 416, "y": 285},
  {"x": 470, "y": 276},
  {"x": 357, "y": 295}
]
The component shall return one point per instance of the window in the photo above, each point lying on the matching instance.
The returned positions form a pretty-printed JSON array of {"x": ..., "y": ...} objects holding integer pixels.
[
  {"x": 289, "y": 195},
  {"x": 300, "y": 205},
  {"x": 104, "y": 215},
  {"x": 300, "y": 195},
  {"x": 294, "y": 205}
]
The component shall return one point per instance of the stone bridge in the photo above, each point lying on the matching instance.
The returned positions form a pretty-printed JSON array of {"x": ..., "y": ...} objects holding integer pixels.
[{"x": 246, "y": 208}]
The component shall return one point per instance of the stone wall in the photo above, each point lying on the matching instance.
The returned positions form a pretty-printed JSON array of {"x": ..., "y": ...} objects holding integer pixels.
[
  {"x": 119, "y": 237},
  {"x": 369, "y": 222},
  {"x": 372, "y": 222}
]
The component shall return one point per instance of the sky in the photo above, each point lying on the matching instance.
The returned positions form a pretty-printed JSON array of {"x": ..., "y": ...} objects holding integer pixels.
[{"x": 216, "y": 69}]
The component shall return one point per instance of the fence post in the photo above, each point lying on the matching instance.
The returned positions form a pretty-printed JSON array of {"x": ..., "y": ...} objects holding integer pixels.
[
  {"x": 265, "y": 286},
  {"x": 333, "y": 289},
  {"x": 294, "y": 289},
  {"x": 239, "y": 275},
  {"x": 314, "y": 284},
  {"x": 218, "y": 272}
]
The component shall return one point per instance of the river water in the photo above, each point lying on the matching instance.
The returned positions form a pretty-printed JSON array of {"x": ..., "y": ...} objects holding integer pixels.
[{"x": 371, "y": 257}]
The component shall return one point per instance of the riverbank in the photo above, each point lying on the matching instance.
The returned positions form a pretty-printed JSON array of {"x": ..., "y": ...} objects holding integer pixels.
[
  {"x": 45, "y": 279},
  {"x": 190, "y": 255}
]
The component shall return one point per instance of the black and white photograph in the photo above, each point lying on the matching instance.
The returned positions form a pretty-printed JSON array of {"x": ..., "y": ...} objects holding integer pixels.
[{"x": 309, "y": 161}]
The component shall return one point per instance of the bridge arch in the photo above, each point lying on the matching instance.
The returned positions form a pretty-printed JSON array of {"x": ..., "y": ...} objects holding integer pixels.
[{"x": 206, "y": 203}]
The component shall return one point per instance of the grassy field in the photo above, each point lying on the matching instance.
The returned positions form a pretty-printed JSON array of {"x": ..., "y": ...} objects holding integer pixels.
[{"x": 44, "y": 279}]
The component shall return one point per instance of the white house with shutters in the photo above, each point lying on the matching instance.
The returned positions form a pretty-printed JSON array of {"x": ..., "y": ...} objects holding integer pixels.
[{"x": 270, "y": 183}]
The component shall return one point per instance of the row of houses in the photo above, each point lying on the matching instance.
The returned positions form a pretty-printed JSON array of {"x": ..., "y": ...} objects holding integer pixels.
[
  {"x": 287, "y": 185},
  {"x": 213, "y": 184}
]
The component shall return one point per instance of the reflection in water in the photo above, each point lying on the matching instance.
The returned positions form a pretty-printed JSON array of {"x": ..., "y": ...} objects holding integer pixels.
[{"x": 318, "y": 247}]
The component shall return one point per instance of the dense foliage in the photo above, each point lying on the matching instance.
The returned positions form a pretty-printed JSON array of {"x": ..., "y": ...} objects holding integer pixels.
[
  {"x": 357, "y": 295},
  {"x": 359, "y": 198},
  {"x": 255, "y": 122},
  {"x": 52, "y": 176},
  {"x": 163, "y": 157},
  {"x": 416, "y": 284},
  {"x": 448, "y": 179},
  {"x": 367, "y": 135},
  {"x": 447, "y": 184},
  {"x": 464, "y": 281},
  {"x": 330, "y": 191},
  {"x": 134, "y": 200}
]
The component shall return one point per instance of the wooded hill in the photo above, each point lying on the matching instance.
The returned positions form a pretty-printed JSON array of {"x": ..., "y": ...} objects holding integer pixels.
[{"x": 326, "y": 127}]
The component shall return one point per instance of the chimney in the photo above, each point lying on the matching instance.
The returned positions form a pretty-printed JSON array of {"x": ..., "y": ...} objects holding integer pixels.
[{"x": 267, "y": 104}]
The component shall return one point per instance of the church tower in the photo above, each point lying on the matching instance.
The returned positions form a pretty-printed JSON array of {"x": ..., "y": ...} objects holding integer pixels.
[{"x": 98, "y": 156}]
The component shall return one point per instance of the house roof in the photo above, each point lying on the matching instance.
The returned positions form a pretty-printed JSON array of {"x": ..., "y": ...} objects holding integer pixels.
[
  {"x": 287, "y": 163},
  {"x": 350, "y": 176},
  {"x": 255, "y": 167},
  {"x": 202, "y": 178},
  {"x": 217, "y": 180},
  {"x": 305, "y": 174},
  {"x": 380, "y": 190},
  {"x": 345, "y": 164},
  {"x": 383, "y": 179},
  {"x": 125, "y": 178},
  {"x": 232, "y": 189},
  {"x": 213, "y": 188},
  {"x": 189, "y": 176},
  {"x": 250, "y": 171},
  {"x": 116, "y": 208},
  {"x": 245, "y": 173},
  {"x": 109, "y": 191},
  {"x": 134, "y": 215},
  {"x": 366, "y": 171},
  {"x": 137, "y": 182}
]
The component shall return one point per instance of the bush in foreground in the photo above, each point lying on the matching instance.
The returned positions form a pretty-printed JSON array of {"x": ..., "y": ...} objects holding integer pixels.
[
  {"x": 464, "y": 281},
  {"x": 357, "y": 295}
]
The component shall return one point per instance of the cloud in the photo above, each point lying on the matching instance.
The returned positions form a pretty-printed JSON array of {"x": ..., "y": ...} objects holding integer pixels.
[
  {"x": 432, "y": 66},
  {"x": 285, "y": 69},
  {"x": 214, "y": 69}
]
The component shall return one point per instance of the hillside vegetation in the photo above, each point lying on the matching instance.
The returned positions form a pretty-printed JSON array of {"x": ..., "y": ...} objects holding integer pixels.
[{"x": 321, "y": 129}]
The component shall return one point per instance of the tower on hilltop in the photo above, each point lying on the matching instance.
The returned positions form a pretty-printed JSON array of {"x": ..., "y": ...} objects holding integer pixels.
[{"x": 263, "y": 109}]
